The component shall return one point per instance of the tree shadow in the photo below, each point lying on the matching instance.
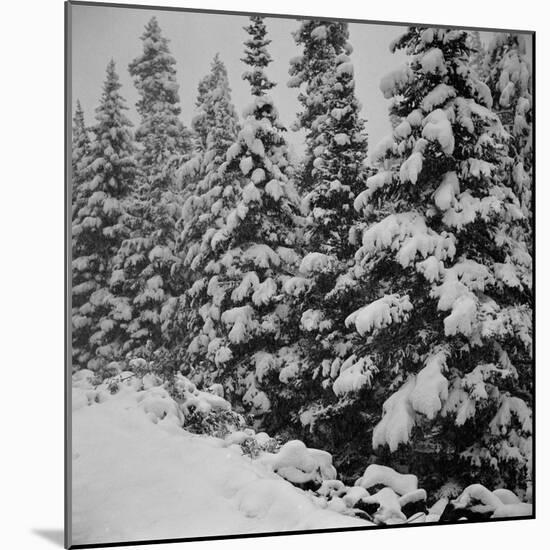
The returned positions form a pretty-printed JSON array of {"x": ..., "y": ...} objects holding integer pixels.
[{"x": 57, "y": 536}]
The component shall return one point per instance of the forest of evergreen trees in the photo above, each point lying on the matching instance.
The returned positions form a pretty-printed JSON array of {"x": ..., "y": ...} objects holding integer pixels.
[{"x": 371, "y": 300}]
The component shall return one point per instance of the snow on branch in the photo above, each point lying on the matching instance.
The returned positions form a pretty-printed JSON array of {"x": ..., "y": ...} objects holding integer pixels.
[{"x": 381, "y": 313}]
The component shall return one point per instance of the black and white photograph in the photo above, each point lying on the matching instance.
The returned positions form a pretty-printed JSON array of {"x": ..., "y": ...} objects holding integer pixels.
[{"x": 300, "y": 274}]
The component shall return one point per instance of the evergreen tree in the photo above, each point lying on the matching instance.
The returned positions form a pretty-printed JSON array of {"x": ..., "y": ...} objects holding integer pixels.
[
  {"x": 445, "y": 326},
  {"x": 215, "y": 122},
  {"x": 221, "y": 118},
  {"x": 99, "y": 226},
  {"x": 246, "y": 252},
  {"x": 257, "y": 57},
  {"x": 510, "y": 81},
  {"x": 143, "y": 269},
  {"x": 338, "y": 170},
  {"x": 80, "y": 144},
  {"x": 200, "y": 121},
  {"x": 145, "y": 261},
  {"x": 217, "y": 126},
  {"x": 80, "y": 150},
  {"x": 320, "y": 295},
  {"x": 322, "y": 41},
  {"x": 161, "y": 135}
]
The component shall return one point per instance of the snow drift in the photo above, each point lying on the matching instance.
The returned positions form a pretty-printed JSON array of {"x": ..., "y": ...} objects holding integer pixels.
[{"x": 138, "y": 475}]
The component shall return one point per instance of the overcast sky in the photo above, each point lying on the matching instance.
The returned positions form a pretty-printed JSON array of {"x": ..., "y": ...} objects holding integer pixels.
[{"x": 100, "y": 33}]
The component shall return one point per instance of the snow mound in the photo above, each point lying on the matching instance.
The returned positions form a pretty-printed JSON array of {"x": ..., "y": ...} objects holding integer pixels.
[
  {"x": 138, "y": 474},
  {"x": 300, "y": 465},
  {"x": 158, "y": 405},
  {"x": 387, "y": 505},
  {"x": 478, "y": 502},
  {"x": 134, "y": 479},
  {"x": 195, "y": 399},
  {"x": 376, "y": 474}
]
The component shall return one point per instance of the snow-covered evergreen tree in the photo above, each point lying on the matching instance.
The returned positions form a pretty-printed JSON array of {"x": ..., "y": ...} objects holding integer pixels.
[
  {"x": 446, "y": 320},
  {"x": 321, "y": 41},
  {"x": 337, "y": 171},
  {"x": 510, "y": 80},
  {"x": 80, "y": 150},
  {"x": 143, "y": 267},
  {"x": 99, "y": 226},
  {"x": 321, "y": 293},
  {"x": 247, "y": 252},
  {"x": 257, "y": 57},
  {"x": 200, "y": 122},
  {"x": 161, "y": 135},
  {"x": 220, "y": 117},
  {"x": 214, "y": 112},
  {"x": 216, "y": 125},
  {"x": 215, "y": 122},
  {"x": 145, "y": 261}
]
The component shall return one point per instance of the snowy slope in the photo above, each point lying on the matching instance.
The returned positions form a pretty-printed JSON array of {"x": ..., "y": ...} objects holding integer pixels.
[{"x": 134, "y": 479}]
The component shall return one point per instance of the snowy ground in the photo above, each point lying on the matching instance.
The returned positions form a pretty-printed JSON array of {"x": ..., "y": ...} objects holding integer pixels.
[{"x": 134, "y": 479}]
